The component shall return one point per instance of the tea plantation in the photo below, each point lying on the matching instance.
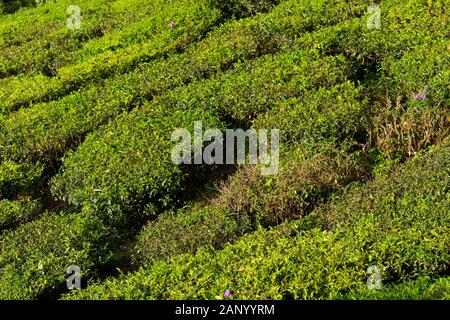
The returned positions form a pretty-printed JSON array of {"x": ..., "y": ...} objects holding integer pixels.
[{"x": 91, "y": 92}]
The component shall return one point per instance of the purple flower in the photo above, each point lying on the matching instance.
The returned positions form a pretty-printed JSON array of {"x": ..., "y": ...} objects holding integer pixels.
[
  {"x": 172, "y": 24},
  {"x": 246, "y": 181},
  {"x": 416, "y": 96},
  {"x": 423, "y": 96},
  {"x": 227, "y": 293}
]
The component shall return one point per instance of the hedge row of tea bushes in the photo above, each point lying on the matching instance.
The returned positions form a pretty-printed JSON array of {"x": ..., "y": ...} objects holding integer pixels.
[
  {"x": 398, "y": 222},
  {"x": 36, "y": 61},
  {"x": 21, "y": 90},
  {"x": 229, "y": 42},
  {"x": 308, "y": 173},
  {"x": 321, "y": 153},
  {"x": 405, "y": 69},
  {"x": 35, "y": 256},
  {"x": 421, "y": 69},
  {"x": 391, "y": 60},
  {"x": 46, "y": 131},
  {"x": 252, "y": 88},
  {"x": 317, "y": 126},
  {"x": 335, "y": 112},
  {"x": 11, "y": 6},
  {"x": 50, "y": 17},
  {"x": 20, "y": 186}
]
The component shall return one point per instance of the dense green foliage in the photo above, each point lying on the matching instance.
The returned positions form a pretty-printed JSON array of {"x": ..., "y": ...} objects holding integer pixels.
[
  {"x": 325, "y": 254},
  {"x": 87, "y": 179}
]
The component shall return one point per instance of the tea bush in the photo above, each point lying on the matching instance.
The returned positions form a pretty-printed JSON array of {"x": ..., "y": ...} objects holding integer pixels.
[
  {"x": 319, "y": 130},
  {"x": 40, "y": 41},
  {"x": 246, "y": 202},
  {"x": 48, "y": 19},
  {"x": 415, "y": 112},
  {"x": 423, "y": 288},
  {"x": 195, "y": 19},
  {"x": 16, "y": 178},
  {"x": 186, "y": 230},
  {"x": 402, "y": 26}
]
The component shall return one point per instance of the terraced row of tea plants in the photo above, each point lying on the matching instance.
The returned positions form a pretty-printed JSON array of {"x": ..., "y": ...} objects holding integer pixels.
[{"x": 87, "y": 179}]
